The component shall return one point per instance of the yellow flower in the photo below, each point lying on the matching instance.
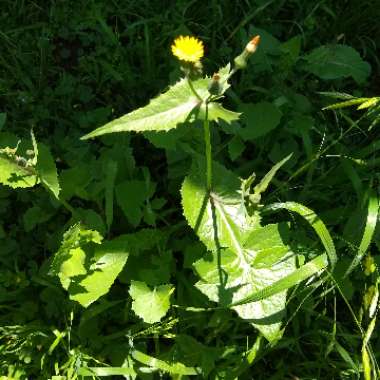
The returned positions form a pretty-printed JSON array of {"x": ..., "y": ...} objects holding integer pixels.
[{"x": 188, "y": 49}]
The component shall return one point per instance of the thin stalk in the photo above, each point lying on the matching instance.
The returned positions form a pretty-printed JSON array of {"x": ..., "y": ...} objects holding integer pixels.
[
  {"x": 193, "y": 89},
  {"x": 207, "y": 136}
]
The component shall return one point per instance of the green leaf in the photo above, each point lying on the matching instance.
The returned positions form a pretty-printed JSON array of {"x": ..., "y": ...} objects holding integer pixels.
[
  {"x": 347, "y": 103},
  {"x": 130, "y": 196},
  {"x": 314, "y": 221},
  {"x": 312, "y": 267},
  {"x": 161, "y": 114},
  {"x": 47, "y": 170},
  {"x": 87, "y": 271},
  {"x": 89, "y": 218},
  {"x": 150, "y": 305},
  {"x": 16, "y": 175},
  {"x": 194, "y": 353},
  {"x": 106, "y": 371},
  {"x": 33, "y": 216},
  {"x": 168, "y": 110},
  {"x": 172, "y": 368},
  {"x": 235, "y": 148},
  {"x": 259, "y": 119},
  {"x": 225, "y": 201},
  {"x": 64, "y": 263},
  {"x": 75, "y": 180},
  {"x": 228, "y": 277},
  {"x": 370, "y": 226},
  {"x": 216, "y": 113},
  {"x": 15, "y": 170},
  {"x": 111, "y": 173},
  {"x": 336, "y": 95},
  {"x": 337, "y": 61},
  {"x": 371, "y": 102},
  {"x": 106, "y": 263},
  {"x": 266, "y": 57},
  {"x": 224, "y": 75},
  {"x": 264, "y": 183},
  {"x": 228, "y": 273}
]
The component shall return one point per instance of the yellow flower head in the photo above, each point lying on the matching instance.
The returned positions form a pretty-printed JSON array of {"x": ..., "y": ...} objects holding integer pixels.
[{"x": 188, "y": 49}]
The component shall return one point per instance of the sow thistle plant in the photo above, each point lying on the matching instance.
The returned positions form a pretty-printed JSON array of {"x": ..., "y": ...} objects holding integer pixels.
[{"x": 249, "y": 266}]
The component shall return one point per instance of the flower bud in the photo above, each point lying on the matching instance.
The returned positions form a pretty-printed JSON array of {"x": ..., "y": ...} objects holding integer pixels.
[
  {"x": 214, "y": 87},
  {"x": 241, "y": 60},
  {"x": 253, "y": 44}
]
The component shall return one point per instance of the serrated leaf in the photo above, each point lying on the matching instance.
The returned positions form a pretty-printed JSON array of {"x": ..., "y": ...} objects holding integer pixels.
[
  {"x": 337, "y": 61},
  {"x": 216, "y": 113},
  {"x": 150, "y": 304},
  {"x": 304, "y": 272},
  {"x": 161, "y": 114},
  {"x": 168, "y": 110},
  {"x": 224, "y": 75},
  {"x": 228, "y": 273},
  {"x": 225, "y": 200},
  {"x": 47, "y": 170},
  {"x": 230, "y": 277}
]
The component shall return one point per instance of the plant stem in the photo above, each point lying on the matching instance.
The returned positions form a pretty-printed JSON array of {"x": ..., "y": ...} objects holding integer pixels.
[
  {"x": 206, "y": 127},
  {"x": 193, "y": 89},
  {"x": 207, "y": 136}
]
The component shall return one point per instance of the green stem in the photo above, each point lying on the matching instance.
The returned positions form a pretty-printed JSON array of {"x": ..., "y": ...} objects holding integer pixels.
[
  {"x": 207, "y": 135},
  {"x": 193, "y": 89}
]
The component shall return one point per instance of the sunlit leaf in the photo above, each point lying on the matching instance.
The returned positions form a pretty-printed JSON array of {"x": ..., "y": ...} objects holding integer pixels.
[{"x": 150, "y": 304}]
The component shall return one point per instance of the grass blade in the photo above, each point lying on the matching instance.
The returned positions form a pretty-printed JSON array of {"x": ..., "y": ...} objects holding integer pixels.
[
  {"x": 314, "y": 221},
  {"x": 174, "y": 368},
  {"x": 302, "y": 273},
  {"x": 105, "y": 371},
  {"x": 373, "y": 210}
]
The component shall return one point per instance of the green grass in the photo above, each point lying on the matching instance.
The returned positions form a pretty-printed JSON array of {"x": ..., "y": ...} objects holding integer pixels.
[{"x": 68, "y": 67}]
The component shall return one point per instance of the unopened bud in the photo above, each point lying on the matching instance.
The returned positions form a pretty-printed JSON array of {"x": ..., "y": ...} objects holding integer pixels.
[
  {"x": 215, "y": 88},
  {"x": 251, "y": 47},
  {"x": 253, "y": 44}
]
